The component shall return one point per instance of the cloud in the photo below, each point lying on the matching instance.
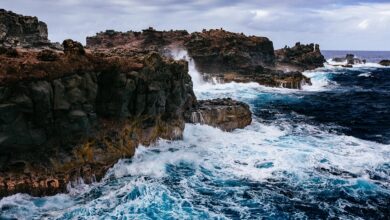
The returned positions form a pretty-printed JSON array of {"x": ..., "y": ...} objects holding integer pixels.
[{"x": 335, "y": 24}]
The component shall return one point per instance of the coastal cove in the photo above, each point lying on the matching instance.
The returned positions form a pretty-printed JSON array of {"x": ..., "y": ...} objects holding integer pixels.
[{"x": 178, "y": 125}]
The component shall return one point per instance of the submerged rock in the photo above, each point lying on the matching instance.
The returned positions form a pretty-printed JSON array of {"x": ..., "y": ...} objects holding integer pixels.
[{"x": 226, "y": 114}]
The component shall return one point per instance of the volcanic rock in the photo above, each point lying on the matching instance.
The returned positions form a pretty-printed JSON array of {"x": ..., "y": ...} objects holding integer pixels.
[
  {"x": 300, "y": 57},
  {"x": 19, "y": 30},
  {"x": 225, "y": 114},
  {"x": 70, "y": 115},
  {"x": 349, "y": 59},
  {"x": 220, "y": 51},
  {"x": 385, "y": 62}
]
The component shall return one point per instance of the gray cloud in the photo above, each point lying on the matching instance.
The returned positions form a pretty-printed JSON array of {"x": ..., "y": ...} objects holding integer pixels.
[{"x": 334, "y": 24}]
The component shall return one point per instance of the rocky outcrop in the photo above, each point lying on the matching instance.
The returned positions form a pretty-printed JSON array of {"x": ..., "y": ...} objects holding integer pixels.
[
  {"x": 225, "y": 114},
  {"x": 147, "y": 40},
  {"x": 385, "y": 62},
  {"x": 18, "y": 30},
  {"x": 300, "y": 57},
  {"x": 348, "y": 60},
  {"x": 71, "y": 115},
  {"x": 217, "y": 51},
  {"x": 236, "y": 57}
]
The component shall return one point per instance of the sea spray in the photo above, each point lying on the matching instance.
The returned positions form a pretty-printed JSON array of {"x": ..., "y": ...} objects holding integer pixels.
[{"x": 197, "y": 78}]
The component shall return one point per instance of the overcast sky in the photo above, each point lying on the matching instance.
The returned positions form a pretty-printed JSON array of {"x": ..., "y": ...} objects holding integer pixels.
[{"x": 334, "y": 24}]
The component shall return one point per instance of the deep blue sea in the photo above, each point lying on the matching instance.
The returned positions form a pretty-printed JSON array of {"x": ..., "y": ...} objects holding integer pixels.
[{"x": 318, "y": 153}]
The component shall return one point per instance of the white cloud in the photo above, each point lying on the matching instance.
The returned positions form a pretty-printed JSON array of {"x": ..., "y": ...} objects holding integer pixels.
[
  {"x": 364, "y": 24},
  {"x": 335, "y": 24}
]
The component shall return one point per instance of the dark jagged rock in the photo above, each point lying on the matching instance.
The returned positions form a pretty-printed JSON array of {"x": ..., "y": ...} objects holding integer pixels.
[
  {"x": 300, "y": 57},
  {"x": 236, "y": 57},
  {"x": 349, "y": 59},
  {"x": 47, "y": 55},
  {"x": 225, "y": 114},
  {"x": 149, "y": 39},
  {"x": 74, "y": 118},
  {"x": 9, "y": 51},
  {"x": 385, "y": 62},
  {"x": 217, "y": 51},
  {"x": 19, "y": 30},
  {"x": 73, "y": 47},
  {"x": 272, "y": 78}
]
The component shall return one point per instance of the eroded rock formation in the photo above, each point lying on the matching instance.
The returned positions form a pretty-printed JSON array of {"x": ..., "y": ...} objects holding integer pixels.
[
  {"x": 75, "y": 115},
  {"x": 18, "y": 30},
  {"x": 349, "y": 60},
  {"x": 219, "y": 53},
  {"x": 226, "y": 114},
  {"x": 300, "y": 57},
  {"x": 385, "y": 62}
]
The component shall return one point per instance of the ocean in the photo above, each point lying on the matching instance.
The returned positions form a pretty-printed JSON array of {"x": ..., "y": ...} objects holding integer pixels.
[{"x": 318, "y": 153}]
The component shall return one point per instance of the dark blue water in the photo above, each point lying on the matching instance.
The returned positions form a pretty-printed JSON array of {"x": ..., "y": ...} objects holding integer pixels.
[
  {"x": 358, "y": 103},
  {"x": 370, "y": 56},
  {"x": 319, "y": 153}
]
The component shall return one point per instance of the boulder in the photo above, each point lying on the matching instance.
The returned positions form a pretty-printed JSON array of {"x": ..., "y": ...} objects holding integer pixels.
[
  {"x": 226, "y": 114},
  {"x": 385, "y": 62},
  {"x": 73, "y": 47},
  {"x": 300, "y": 57}
]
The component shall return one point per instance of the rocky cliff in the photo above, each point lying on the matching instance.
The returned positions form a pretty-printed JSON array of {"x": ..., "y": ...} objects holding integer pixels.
[
  {"x": 217, "y": 51},
  {"x": 77, "y": 115},
  {"x": 222, "y": 54},
  {"x": 18, "y": 30},
  {"x": 300, "y": 57},
  {"x": 69, "y": 115}
]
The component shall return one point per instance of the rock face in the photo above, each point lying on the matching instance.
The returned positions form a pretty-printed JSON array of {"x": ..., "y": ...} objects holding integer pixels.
[
  {"x": 222, "y": 54},
  {"x": 147, "y": 40},
  {"x": 75, "y": 115},
  {"x": 226, "y": 114},
  {"x": 300, "y": 57},
  {"x": 18, "y": 30},
  {"x": 217, "y": 51},
  {"x": 385, "y": 62}
]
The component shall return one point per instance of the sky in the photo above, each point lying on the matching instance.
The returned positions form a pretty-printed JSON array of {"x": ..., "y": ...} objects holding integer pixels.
[{"x": 334, "y": 24}]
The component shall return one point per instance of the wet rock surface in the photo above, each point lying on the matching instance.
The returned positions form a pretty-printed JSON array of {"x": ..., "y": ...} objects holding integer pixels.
[{"x": 226, "y": 114}]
